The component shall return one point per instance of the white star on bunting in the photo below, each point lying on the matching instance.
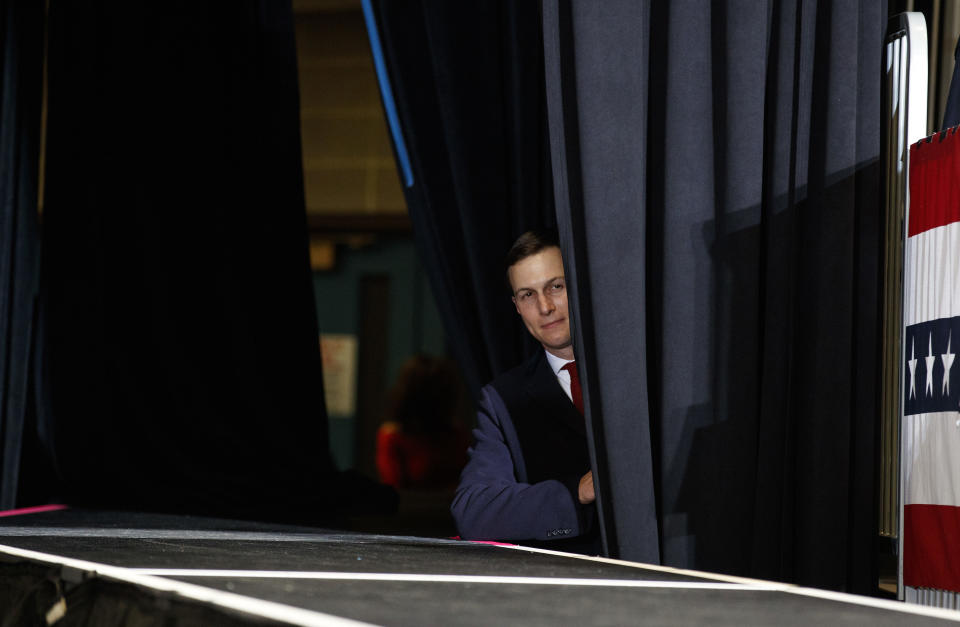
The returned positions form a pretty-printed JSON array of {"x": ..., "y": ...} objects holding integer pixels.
[
  {"x": 947, "y": 358},
  {"x": 913, "y": 367},
  {"x": 930, "y": 359}
]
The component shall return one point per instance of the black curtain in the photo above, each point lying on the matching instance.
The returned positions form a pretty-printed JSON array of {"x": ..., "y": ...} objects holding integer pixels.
[
  {"x": 717, "y": 193},
  {"x": 468, "y": 85},
  {"x": 951, "y": 113},
  {"x": 21, "y": 65},
  {"x": 181, "y": 346}
]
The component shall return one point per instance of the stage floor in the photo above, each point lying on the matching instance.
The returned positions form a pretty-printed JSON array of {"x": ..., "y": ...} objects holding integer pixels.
[{"x": 202, "y": 571}]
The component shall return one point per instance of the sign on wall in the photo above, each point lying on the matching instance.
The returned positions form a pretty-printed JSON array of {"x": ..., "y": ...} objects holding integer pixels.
[{"x": 339, "y": 351}]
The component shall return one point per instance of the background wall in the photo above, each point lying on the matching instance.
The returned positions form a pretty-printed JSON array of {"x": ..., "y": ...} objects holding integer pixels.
[
  {"x": 369, "y": 283},
  {"x": 378, "y": 293},
  {"x": 348, "y": 164}
]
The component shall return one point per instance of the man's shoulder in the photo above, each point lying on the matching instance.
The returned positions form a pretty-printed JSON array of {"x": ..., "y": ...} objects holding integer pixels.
[{"x": 518, "y": 378}]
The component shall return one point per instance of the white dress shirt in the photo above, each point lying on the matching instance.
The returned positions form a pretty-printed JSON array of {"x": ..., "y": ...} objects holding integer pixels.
[{"x": 557, "y": 363}]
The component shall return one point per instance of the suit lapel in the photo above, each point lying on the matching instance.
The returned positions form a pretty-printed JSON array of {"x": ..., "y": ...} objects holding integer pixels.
[{"x": 547, "y": 394}]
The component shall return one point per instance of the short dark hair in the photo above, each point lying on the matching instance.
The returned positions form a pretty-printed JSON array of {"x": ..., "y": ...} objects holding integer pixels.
[{"x": 527, "y": 245}]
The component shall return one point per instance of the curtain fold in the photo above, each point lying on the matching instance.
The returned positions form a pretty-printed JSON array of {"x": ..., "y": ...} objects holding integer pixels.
[
  {"x": 468, "y": 84},
  {"x": 21, "y": 68},
  {"x": 721, "y": 207},
  {"x": 598, "y": 135}
]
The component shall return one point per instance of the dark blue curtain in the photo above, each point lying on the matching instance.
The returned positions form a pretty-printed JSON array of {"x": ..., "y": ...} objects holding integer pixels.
[
  {"x": 715, "y": 183},
  {"x": 717, "y": 194},
  {"x": 468, "y": 85},
  {"x": 21, "y": 65}
]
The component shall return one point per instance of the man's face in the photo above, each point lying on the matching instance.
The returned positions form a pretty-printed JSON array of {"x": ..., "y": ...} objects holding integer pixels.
[{"x": 540, "y": 295}]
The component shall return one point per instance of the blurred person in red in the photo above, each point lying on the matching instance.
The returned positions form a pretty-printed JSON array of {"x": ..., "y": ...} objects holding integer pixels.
[{"x": 423, "y": 445}]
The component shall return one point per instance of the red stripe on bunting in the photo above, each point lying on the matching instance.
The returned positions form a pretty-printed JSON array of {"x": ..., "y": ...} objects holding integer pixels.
[
  {"x": 934, "y": 182},
  {"x": 931, "y": 546}
]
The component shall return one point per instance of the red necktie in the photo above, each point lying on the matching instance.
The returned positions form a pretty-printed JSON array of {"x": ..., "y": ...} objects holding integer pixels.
[{"x": 575, "y": 391}]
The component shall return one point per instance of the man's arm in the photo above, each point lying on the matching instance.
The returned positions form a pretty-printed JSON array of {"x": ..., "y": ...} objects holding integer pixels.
[{"x": 491, "y": 504}]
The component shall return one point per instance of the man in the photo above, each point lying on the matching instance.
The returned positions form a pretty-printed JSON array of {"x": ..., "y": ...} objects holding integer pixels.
[{"x": 529, "y": 478}]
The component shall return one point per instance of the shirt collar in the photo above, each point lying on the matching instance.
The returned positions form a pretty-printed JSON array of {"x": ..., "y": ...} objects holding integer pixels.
[{"x": 556, "y": 363}]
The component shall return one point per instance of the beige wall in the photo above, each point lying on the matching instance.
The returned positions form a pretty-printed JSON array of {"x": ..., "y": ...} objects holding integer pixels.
[{"x": 348, "y": 162}]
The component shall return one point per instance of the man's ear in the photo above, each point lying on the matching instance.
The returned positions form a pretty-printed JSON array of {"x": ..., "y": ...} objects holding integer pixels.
[{"x": 515, "y": 306}]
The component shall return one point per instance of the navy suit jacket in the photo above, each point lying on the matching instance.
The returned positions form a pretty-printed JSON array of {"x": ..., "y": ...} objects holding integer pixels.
[{"x": 529, "y": 453}]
